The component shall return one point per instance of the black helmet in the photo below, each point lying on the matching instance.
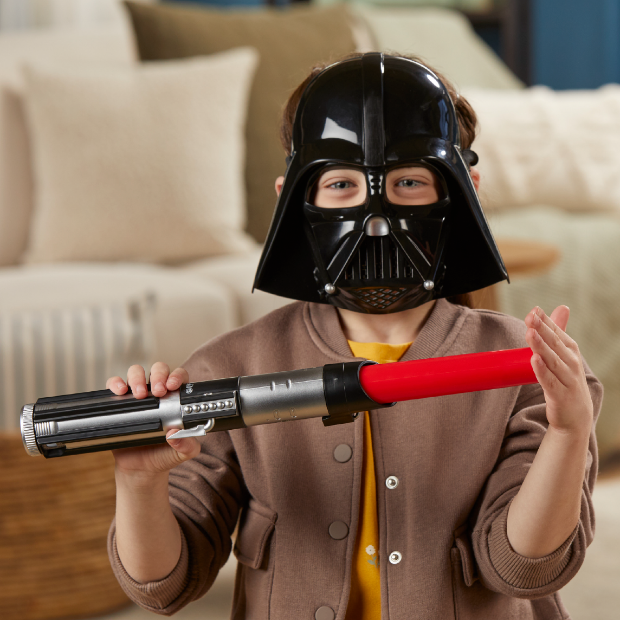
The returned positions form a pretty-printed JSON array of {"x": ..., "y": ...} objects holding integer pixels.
[{"x": 374, "y": 113}]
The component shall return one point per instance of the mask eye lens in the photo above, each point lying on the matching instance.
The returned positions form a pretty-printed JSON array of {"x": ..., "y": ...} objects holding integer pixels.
[
  {"x": 339, "y": 188},
  {"x": 413, "y": 185}
]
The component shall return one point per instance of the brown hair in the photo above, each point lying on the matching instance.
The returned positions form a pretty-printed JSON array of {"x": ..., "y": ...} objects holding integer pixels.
[{"x": 466, "y": 118}]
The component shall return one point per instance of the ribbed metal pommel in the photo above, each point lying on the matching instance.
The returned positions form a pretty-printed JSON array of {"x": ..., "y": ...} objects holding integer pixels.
[{"x": 26, "y": 424}]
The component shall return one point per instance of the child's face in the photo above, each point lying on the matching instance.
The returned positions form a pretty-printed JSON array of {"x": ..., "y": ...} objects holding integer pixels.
[{"x": 339, "y": 188}]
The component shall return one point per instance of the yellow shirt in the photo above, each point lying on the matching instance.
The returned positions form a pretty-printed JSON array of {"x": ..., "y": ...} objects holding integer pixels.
[{"x": 365, "y": 598}]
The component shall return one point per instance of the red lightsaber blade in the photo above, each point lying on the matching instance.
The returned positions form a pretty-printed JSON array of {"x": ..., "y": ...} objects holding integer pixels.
[{"x": 447, "y": 375}]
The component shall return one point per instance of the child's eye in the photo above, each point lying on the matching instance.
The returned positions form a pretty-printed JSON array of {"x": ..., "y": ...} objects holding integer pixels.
[
  {"x": 409, "y": 183},
  {"x": 341, "y": 185}
]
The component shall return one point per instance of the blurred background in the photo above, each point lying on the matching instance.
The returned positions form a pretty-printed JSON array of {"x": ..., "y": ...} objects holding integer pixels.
[{"x": 138, "y": 151}]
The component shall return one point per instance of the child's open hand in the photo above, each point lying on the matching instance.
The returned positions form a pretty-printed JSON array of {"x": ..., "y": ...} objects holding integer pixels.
[{"x": 558, "y": 367}]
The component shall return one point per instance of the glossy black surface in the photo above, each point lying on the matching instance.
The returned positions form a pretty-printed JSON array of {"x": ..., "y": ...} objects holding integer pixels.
[{"x": 377, "y": 112}]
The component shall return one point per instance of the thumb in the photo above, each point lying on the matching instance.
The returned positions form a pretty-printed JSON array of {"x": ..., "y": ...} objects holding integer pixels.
[
  {"x": 184, "y": 449},
  {"x": 560, "y": 317}
]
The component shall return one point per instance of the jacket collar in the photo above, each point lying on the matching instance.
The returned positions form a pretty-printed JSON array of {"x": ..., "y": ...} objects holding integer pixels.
[{"x": 434, "y": 340}]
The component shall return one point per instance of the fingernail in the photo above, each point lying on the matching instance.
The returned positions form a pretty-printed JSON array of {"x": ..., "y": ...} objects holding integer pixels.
[
  {"x": 160, "y": 387},
  {"x": 536, "y": 320},
  {"x": 539, "y": 311},
  {"x": 120, "y": 385}
]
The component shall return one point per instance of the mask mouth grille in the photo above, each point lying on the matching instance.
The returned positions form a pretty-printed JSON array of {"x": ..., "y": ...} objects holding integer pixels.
[
  {"x": 379, "y": 259},
  {"x": 380, "y": 298}
]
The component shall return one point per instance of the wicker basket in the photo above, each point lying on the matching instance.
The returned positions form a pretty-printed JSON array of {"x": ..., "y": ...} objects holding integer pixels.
[{"x": 54, "y": 519}]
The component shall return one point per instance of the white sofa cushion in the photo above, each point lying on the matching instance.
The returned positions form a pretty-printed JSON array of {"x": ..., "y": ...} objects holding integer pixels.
[
  {"x": 236, "y": 273},
  {"x": 142, "y": 163},
  {"x": 189, "y": 310},
  {"x": 108, "y": 47}
]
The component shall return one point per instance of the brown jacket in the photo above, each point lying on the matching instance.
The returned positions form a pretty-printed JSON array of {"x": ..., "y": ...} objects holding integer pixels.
[{"x": 459, "y": 459}]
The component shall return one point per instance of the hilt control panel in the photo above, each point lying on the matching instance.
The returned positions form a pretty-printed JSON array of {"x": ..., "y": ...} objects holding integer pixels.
[{"x": 95, "y": 421}]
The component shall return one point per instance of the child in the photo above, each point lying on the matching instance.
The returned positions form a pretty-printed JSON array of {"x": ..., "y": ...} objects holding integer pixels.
[{"x": 470, "y": 506}]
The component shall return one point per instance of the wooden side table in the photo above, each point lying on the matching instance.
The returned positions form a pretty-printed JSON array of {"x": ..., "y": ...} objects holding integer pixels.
[{"x": 522, "y": 258}]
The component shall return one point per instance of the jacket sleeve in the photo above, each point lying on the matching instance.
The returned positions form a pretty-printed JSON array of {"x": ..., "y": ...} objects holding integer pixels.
[
  {"x": 500, "y": 568},
  {"x": 206, "y": 495}
]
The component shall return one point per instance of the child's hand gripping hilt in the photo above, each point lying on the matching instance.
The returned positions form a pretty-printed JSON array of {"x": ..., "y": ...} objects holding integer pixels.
[{"x": 95, "y": 421}]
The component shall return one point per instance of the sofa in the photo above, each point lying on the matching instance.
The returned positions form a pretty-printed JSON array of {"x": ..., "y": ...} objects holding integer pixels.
[{"x": 73, "y": 313}]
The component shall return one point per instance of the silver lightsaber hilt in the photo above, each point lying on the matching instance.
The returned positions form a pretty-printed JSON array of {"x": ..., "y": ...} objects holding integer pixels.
[{"x": 95, "y": 421}]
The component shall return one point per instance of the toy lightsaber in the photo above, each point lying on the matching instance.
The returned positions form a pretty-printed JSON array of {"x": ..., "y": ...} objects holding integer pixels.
[{"x": 95, "y": 421}]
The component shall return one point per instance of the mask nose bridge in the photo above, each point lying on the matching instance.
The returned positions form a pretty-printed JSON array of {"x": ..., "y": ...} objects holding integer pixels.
[{"x": 376, "y": 201}]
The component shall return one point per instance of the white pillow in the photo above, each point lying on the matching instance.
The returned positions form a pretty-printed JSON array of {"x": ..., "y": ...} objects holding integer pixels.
[
  {"x": 68, "y": 350},
  {"x": 142, "y": 163},
  {"x": 538, "y": 146},
  {"x": 89, "y": 48}
]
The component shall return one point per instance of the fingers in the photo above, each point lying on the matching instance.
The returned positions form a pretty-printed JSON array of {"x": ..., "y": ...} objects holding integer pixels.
[
  {"x": 159, "y": 377},
  {"x": 176, "y": 378},
  {"x": 556, "y": 349},
  {"x": 538, "y": 316},
  {"x": 162, "y": 380},
  {"x": 560, "y": 317},
  {"x": 117, "y": 385},
  {"x": 546, "y": 378},
  {"x": 137, "y": 381}
]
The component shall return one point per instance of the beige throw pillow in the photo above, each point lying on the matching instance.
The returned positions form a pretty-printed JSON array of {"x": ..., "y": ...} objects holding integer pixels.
[
  {"x": 538, "y": 146},
  {"x": 140, "y": 163},
  {"x": 290, "y": 41},
  {"x": 91, "y": 48}
]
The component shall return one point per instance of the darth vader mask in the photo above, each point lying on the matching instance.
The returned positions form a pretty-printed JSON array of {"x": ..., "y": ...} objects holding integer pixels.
[{"x": 377, "y": 115}]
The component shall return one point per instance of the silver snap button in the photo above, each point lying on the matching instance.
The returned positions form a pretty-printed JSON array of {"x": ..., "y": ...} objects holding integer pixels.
[
  {"x": 338, "y": 530},
  {"x": 343, "y": 453},
  {"x": 391, "y": 482},
  {"x": 395, "y": 557},
  {"x": 324, "y": 613}
]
